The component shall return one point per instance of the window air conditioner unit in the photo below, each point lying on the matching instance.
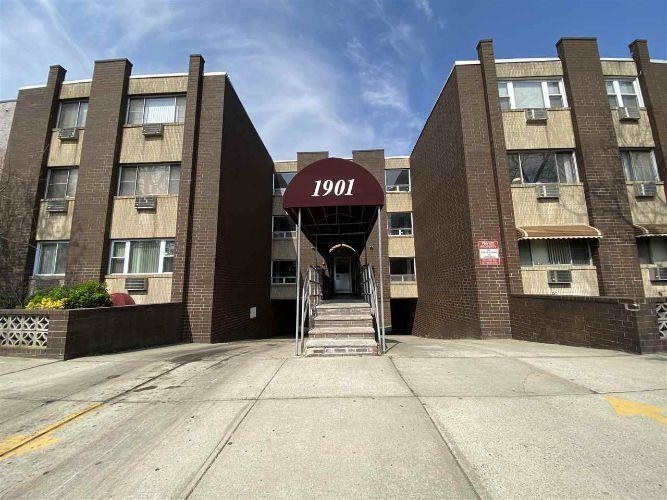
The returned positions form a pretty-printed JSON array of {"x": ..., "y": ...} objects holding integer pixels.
[
  {"x": 548, "y": 191},
  {"x": 145, "y": 202},
  {"x": 628, "y": 113},
  {"x": 59, "y": 205},
  {"x": 645, "y": 190},
  {"x": 537, "y": 115},
  {"x": 153, "y": 130},
  {"x": 559, "y": 276},
  {"x": 68, "y": 134},
  {"x": 658, "y": 273},
  {"x": 136, "y": 284}
]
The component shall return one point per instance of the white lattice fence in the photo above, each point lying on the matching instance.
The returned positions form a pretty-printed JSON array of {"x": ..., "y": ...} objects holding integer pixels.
[
  {"x": 23, "y": 330},
  {"x": 661, "y": 311}
]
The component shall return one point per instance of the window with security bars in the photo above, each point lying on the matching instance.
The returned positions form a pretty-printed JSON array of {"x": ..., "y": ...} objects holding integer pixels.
[
  {"x": 149, "y": 256},
  {"x": 639, "y": 165},
  {"x": 563, "y": 252},
  {"x": 399, "y": 223},
  {"x": 72, "y": 114},
  {"x": 397, "y": 179},
  {"x": 402, "y": 269},
  {"x": 283, "y": 227},
  {"x": 160, "y": 109},
  {"x": 528, "y": 94},
  {"x": 61, "y": 183},
  {"x": 281, "y": 180},
  {"x": 149, "y": 180},
  {"x": 51, "y": 258},
  {"x": 283, "y": 272},
  {"x": 542, "y": 167},
  {"x": 624, "y": 93}
]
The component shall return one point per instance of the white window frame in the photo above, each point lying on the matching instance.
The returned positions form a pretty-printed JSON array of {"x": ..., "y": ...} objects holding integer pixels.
[
  {"x": 403, "y": 231},
  {"x": 78, "y": 112},
  {"x": 280, "y": 235},
  {"x": 390, "y": 188},
  {"x": 126, "y": 257},
  {"x": 48, "y": 180},
  {"x": 143, "y": 108},
  {"x": 554, "y": 152},
  {"x": 404, "y": 278},
  {"x": 617, "y": 90},
  {"x": 282, "y": 280},
  {"x": 545, "y": 91},
  {"x": 280, "y": 191},
  {"x": 145, "y": 165},
  {"x": 38, "y": 256}
]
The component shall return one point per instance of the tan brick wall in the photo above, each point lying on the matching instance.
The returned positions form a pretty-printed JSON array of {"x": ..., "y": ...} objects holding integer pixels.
[
  {"x": 278, "y": 206},
  {"x": 65, "y": 153},
  {"x": 75, "y": 90},
  {"x": 619, "y": 68},
  {"x": 570, "y": 208},
  {"x": 633, "y": 134},
  {"x": 158, "y": 85},
  {"x": 284, "y": 249},
  {"x": 556, "y": 133},
  {"x": 651, "y": 289},
  {"x": 584, "y": 281},
  {"x": 135, "y": 148},
  {"x": 396, "y": 163},
  {"x": 401, "y": 246},
  {"x": 54, "y": 226},
  {"x": 159, "y": 289},
  {"x": 403, "y": 290},
  {"x": 648, "y": 210},
  {"x": 534, "y": 69},
  {"x": 128, "y": 222},
  {"x": 285, "y": 166},
  {"x": 283, "y": 292},
  {"x": 399, "y": 202}
]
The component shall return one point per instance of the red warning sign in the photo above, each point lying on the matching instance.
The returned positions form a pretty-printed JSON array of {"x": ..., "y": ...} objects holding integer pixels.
[{"x": 489, "y": 253}]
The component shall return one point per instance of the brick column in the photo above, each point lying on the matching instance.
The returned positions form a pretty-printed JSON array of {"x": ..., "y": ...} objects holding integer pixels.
[
  {"x": 96, "y": 186},
  {"x": 180, "y": 276},
  {"x": 509, "y": 247},
  {"x": 23, "y": 181},
  {"x": 374, "y": 162},
  {"x": 600, "y": 168},
  {"x": 653, "y": 82}
]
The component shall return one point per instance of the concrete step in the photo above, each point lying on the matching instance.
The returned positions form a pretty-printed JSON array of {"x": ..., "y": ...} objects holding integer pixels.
[
  {"x": 342, "y": 320},
  {"x": 343, "y": 311},
  {"x": 343, "y": 305},
  {"x": 340, "y": 347},
  {"x": 343, "y": 331}
]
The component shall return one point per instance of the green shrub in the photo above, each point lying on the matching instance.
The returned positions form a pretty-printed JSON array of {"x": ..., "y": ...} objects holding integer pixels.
[{"x": 81, "y": 296}]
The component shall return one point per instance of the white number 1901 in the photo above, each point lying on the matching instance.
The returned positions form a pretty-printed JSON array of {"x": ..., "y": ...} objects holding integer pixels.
[{"x": 340, "y": 188}]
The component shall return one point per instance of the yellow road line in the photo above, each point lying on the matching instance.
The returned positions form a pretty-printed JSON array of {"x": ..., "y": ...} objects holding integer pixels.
[{"x": 628, "y": 408}]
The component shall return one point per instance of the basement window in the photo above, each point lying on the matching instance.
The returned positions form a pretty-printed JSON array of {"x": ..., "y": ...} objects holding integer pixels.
[
  {"x": 399, "y": 223},
  {"x": 61, "y": 183},
  {"x": 528, "y": 94},
  {"x": 51, "y": 258},
  {"x": 639, "y": 165},
  {"x": 574, "y": 252},
  {"x": 162, "y": 109},
  {"x": 149, "y": 180},
  {"x": 402, "y": 269},
  {"x": 397, "y": 180},
  {"x": 283, "y": 272},
  {"x": 542, "y": 167},
  {"x": 72, "y": 114},
  {"x": 141, "y": 256},
  {"x": 283, "y": 227}
]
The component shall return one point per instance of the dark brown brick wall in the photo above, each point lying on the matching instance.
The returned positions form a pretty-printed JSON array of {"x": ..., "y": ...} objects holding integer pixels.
[
  {"x": 181, "y": 271},
  {"x": 23, "y": 179},
  {"x": 447, "y": 306},
  {"x": 89, "y": 248},
  {"x": 600, "y": 168},
  {"x": 653, "y": 82},
  {"x": 600, "y": 322}
]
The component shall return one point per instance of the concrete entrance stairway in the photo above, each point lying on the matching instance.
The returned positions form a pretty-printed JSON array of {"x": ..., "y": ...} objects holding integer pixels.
[{"x": 341, "y": 327}]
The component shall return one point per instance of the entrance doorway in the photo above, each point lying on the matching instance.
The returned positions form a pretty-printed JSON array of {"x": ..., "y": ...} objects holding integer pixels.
[{"x": 343, "y": 274}]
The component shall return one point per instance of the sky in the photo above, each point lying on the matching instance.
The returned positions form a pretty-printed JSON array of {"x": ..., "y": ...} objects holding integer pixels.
[{"x": 314, "y": 75}]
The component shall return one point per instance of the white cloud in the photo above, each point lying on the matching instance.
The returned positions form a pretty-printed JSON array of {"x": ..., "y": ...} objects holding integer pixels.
[{"x": 425, "y": 7}]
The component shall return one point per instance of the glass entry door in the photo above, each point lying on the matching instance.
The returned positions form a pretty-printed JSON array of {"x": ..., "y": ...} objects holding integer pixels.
[{"x": 342, "y": 275}]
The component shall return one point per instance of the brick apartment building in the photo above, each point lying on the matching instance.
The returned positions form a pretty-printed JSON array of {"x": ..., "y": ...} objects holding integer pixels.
[{"x": 533, "y": 203}]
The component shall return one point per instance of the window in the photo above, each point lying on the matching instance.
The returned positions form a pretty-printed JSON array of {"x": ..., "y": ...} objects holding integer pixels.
[
  {"x": 576, "y": 252},
  {"x": 399, "y": 223},
  {"x": 61, "y": 182},
  {"x": 72, "y": 114},
  {"x": 525, "y": 94},
  {"x": 402, "y": 269},
  {"x": 542, "y": 167},
  {"x": 283, "y": 227},
  {"x": 639, "y": 165},
  {"x": 283, "y": 272},
  {"x": 397, "y": 179},
  {"x": 624, "y": 93},
  {"x": 281, "y": 180},
  {"x": 163, "y": 109},
  {"x": 141, "y": 257},
  {"x": 147, "y": 180},
  {"x": 652, "y": 250},
  {"x": 51, "y": 258}
]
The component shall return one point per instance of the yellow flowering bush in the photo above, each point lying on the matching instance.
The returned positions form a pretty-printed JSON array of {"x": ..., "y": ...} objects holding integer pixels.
[{"x": 46, "y": 303}]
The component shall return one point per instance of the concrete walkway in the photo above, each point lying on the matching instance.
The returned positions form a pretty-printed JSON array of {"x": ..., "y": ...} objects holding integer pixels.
[{"x": 432, "y": 419}]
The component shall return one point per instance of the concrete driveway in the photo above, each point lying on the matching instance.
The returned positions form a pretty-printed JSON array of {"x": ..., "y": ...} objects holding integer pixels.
[{"x": 432, "y": 419}]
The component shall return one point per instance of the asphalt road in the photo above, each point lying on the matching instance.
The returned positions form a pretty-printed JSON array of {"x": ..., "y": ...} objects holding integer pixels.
[{"x": 432, "y": 419}]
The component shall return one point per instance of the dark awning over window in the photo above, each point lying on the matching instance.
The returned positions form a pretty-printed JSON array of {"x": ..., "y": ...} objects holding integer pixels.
[
  {"x": 338, "y": 201},
  {"x": 645, "y": 230},
  {"x": 558, "y": 232}
]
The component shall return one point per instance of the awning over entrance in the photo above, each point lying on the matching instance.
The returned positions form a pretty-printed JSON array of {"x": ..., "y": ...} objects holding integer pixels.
[
  {"x": 339, "y": 202},
  {"x": 647, "y": 230},
  {"x": 557, "y": 232}
]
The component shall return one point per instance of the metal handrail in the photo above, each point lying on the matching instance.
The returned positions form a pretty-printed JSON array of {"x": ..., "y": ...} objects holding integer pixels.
[
  {"x": 369, "y": 291},
  {"x": 311, "y": 294}
]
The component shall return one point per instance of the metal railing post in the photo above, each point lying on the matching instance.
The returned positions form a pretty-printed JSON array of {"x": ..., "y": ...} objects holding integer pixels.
[
  {"x": 298, "y": 291},
  {"x": 383, "y": 345}
]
